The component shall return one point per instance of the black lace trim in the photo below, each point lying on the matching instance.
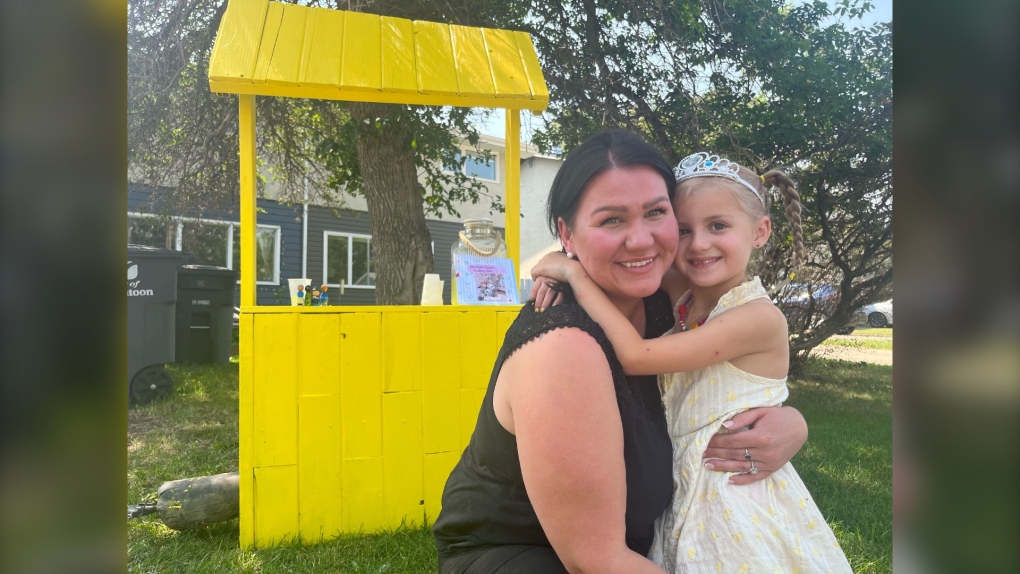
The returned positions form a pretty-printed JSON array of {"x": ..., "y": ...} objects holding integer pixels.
[{"x": 530, "y": 325}]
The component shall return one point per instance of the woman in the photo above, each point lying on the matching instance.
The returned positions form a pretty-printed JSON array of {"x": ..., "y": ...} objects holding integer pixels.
[{"x": 569, "y": 464}]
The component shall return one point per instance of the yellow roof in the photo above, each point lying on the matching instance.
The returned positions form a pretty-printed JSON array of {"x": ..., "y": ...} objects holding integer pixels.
[{"x": 274, "y": 49}]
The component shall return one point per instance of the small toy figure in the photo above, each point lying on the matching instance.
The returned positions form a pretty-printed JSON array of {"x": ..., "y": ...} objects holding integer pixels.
[
  {"x": 323, "y": 296},
  {"x": 308, "y": 295},
  {"x": 301, "y": 294},
  {"x": 315, "y": 297}
]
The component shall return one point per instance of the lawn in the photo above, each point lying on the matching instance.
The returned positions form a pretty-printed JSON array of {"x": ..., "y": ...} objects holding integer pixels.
[
  {"x": 867, "y": 338},
  {"x": 846, "y": 464}
]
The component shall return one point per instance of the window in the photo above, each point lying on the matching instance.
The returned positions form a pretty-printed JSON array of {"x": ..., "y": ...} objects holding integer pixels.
[
  {"x": 473, "y": 166},
  {"x": 266, "y": 253},
  {"x": 150, "y": 231},
  {"x": 213, "y": 242},
  {"x": 348, "y": 258}
]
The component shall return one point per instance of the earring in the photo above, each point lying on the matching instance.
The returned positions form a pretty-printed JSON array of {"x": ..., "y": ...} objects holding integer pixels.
[{"x": 570, "y": 255}]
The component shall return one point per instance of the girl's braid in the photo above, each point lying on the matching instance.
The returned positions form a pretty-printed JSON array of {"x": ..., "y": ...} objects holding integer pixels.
[{"x": 791, "y": 199}]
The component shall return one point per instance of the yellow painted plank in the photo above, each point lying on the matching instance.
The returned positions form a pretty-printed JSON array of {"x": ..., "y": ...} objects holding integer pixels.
[
  {"x": 532, "y": 68},
  {"x": 246, "y": 139},
  {"x": 503, "y": 321},
  {"x": 440, "y": 350},
  {"x": 237, "y": 41},
  {"x": 437, "y": 470},
  {"x": 436, "y": 72},
  {"x": 470, "y": 404},
  {"x": 275, "y": 390},
  {"x": 318, "y": 354},
  {"x": 276, "y": 505},
  {"x": 507, "y": 67},
  {"x": 474, "y": 77},
  {"x": 362, "y": 68},
  {"x": 388, "y": 309},
  {"x": 441, "y": 425},
  {"x": 402, "y": 458},
  {"x": 441, "y": 347},
  {"x": 270, "y": 33},
  {"x": 319, "y": 473},
  {"x": 320, "y": 58},
  {"x": 419, "y": 99},
  {"x": 478, "y": 347},
  {"x": 286, "y": 63},
  {"x": 401, "y": 351},
  {"x": 362, "y": 495},
  {"x": 512, "y": 191},
  {"x": 397, "y": 37},
  {"x": 245, "y": 434},
  {"x": 361, "y": 385}
]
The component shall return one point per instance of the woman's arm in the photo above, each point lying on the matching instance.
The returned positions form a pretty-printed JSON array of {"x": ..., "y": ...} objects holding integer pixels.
[
  {"x": 570, "y": 443},
  {"x": 752, "y": 328},
  {"x": 771, "y": 435}
]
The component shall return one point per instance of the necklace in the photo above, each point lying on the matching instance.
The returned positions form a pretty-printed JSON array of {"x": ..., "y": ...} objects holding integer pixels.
[{"x": 682, "y": 311}]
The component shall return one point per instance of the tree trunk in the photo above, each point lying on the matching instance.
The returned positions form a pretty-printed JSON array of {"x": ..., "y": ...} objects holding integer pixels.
[{"x": 401, "y": 243}]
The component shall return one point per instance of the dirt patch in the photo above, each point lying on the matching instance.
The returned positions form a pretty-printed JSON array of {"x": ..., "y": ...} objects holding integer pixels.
[
  {"x": 139, "y": 425},
  {"x": 855, "y": 354}
]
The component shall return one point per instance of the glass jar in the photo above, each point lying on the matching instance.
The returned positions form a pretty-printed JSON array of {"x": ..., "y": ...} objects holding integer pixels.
[{"x": 478, "y": 238}]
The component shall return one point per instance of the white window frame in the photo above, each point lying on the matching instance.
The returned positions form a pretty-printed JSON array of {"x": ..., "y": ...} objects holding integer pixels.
[
  {"x": 230, "y": 225},
  {"x": 463, "y": 167},
  {"x": 350, "y": 257}
]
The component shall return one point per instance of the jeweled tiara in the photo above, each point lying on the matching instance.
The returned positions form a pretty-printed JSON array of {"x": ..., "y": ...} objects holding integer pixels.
[{"x": 702, "y": 164}]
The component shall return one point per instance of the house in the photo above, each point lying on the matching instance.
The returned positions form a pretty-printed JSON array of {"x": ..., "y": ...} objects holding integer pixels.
[{"x": 312, "y": 241}]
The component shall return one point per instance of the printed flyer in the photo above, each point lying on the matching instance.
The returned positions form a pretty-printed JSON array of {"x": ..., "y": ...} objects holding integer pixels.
[{"x": 485, "y": 280}]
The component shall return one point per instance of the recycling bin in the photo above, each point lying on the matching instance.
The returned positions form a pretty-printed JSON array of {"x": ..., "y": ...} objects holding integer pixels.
[
  {"x": 205, "y": 313},
  {"x": 151, "y": 303}
]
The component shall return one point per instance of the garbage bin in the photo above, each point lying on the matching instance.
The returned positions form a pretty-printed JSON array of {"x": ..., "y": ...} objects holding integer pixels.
[
  {"x": 152, "y": 299},
  {"x": 205, "y": 313}
]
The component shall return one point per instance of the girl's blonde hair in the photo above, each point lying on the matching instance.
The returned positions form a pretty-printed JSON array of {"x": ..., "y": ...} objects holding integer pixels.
[{"x": 756, "y": 207}]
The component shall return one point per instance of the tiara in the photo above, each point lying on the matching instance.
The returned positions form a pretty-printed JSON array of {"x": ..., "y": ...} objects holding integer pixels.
[{"x": 702, "y": 164}]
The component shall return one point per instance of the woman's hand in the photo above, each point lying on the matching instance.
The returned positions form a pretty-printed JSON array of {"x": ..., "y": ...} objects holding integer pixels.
[{"x": 771, "y": 435}]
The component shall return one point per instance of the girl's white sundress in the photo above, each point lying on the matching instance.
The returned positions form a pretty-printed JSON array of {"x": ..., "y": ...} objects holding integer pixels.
[{"x": 769, "y": 526}]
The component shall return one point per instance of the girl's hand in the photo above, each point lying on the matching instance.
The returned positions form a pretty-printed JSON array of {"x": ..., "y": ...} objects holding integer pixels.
[
  {"x": 554, "y": 265},
  {"x": 544, "y": 295},
  {"x": 771, "y": 435}
]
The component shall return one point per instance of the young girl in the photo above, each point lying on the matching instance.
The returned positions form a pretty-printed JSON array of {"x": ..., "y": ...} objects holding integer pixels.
[{"x": 728, "y": 352}]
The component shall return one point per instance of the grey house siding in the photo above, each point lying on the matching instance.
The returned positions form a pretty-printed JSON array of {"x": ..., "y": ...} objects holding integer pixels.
[
  {"x": 287, "y": 217},
  {"x": 322, "y": 219}
]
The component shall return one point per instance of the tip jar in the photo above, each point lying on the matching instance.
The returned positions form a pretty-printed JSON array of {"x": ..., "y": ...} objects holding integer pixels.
[{"x": 478, "y": 238}]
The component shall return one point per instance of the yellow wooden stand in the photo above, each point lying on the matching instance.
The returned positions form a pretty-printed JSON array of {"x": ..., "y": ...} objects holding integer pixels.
[{"x": 351, "y": 418}]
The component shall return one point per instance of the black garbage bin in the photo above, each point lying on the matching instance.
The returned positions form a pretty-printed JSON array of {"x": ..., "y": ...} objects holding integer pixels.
[
  {"x": 152, "y": 299},
  {"x": 205, "y": 313}
]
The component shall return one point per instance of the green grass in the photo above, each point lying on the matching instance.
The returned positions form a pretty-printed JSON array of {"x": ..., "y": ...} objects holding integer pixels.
[
  {"x": 866, "y": 338},
  {"x": 861, "y": 343},
  {"x": 847, "y": 461},
  {"x": 846, "y": 465},
  {"x": 873, "y": 332}
]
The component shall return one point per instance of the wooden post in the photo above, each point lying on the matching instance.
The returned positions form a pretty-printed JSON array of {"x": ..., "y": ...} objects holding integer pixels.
[{"x": 513, "y": 190}]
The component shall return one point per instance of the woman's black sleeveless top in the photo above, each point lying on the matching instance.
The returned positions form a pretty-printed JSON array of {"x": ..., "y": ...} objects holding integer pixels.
[{"x": 485, "y": 503}]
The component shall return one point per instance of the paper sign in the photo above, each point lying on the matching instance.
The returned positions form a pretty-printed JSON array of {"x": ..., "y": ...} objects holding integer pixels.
[{"x": 485, "y": 280}]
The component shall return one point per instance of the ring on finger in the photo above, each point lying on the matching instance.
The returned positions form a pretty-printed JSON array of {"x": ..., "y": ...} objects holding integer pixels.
[
  {"x": 753, "y": 469},
  {"x": 747, "y": 455}
]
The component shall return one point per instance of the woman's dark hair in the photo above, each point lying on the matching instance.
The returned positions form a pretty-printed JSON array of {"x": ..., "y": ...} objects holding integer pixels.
[{"x": 599, "y": 153}]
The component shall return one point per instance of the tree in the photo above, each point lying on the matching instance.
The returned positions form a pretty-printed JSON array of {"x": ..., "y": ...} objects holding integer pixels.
[
  {"x": 184, "y": 138},
  {"x": 764, "y": 83}
]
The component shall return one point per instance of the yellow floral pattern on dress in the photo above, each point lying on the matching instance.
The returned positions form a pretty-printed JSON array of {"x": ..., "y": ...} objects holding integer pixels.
[{"x": 714, "y": 526}]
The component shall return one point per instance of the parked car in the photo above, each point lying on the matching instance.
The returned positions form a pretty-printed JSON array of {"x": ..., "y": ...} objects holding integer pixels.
[
  {"x": 820, "y": 299},
  {"x": 877, "y": 315}
]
